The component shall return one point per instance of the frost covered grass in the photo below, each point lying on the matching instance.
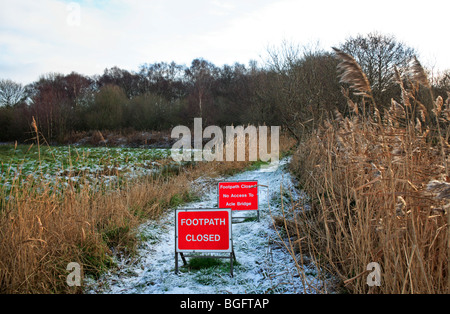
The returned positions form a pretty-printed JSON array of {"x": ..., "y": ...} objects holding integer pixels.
[
  {"x": 55, "y": 163},
  {"x": 263, "y": 263}
]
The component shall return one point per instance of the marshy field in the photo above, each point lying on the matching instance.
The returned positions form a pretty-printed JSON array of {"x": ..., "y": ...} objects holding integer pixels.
[
  {"x": 44, "y": 222},
  {"x": 22, "y": 163}
]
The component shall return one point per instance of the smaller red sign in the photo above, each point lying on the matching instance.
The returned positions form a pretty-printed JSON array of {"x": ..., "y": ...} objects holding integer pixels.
[
  {"x": 203, "y": 230},
  {"x": 238, "y": 195}
]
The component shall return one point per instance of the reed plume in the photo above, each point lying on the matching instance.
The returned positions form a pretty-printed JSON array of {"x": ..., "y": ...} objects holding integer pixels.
[
  {"x": 405, "y": 94},
  {"x": 418, "y": 73},
  {"x": 352, "y": 74}
]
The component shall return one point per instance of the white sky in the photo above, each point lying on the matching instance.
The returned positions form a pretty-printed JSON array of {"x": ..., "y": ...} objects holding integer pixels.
[{"x": 41, "y": 36}]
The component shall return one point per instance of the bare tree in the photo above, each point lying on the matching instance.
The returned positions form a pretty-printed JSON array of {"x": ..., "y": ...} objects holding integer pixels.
[
  {"x": 11, "y": 93},
  {"x": 303, "y": 85},
  {"x": 201, "y": 74},
  {"x": 164, "y": 79},
  {"x": 377, "y": 55}
]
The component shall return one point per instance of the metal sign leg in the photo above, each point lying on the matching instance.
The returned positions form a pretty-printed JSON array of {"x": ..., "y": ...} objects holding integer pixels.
[
  {"x": 231, "y": 265},
  {"x": 184, "y": 259},
  {"x": 176, "y": 261},
  {"x": 232, "y": 258}
]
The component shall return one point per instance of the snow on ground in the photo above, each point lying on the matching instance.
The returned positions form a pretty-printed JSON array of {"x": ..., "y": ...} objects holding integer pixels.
[{"x": 263, "y": 264}]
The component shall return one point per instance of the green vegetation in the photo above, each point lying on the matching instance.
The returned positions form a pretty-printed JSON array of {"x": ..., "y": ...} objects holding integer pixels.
[{"x": 52, "y": 164}]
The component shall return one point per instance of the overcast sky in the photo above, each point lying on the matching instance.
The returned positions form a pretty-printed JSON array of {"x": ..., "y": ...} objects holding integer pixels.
[{"x": 87, "y": 36}]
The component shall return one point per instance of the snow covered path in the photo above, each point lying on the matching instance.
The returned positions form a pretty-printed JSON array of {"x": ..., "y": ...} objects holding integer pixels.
[{"x": 263, "y": 265}]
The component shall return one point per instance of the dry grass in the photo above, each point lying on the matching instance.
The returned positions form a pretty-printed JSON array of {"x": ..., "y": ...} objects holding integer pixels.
[
  {"x": 42, "y": 230},
  {"x": 379, "y": 189}
]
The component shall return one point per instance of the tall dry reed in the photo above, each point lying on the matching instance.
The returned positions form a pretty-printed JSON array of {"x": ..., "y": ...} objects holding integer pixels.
[{"x": 380, "y": 192}]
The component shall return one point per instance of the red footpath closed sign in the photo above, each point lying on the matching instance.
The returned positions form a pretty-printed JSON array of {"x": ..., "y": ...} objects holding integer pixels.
[
  {"x": 238, "y": 195},
  {"x": 203, "y": 230}
]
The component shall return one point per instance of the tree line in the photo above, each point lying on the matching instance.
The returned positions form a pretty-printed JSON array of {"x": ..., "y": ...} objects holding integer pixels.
[{"x": 294, "y": 87}]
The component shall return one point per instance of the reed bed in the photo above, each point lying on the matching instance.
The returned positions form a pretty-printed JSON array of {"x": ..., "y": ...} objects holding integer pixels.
[{"x": 379, "y": 190}]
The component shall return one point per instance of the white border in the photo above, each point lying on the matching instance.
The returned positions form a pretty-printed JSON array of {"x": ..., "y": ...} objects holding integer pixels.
[{"x": 230, "y": 246}]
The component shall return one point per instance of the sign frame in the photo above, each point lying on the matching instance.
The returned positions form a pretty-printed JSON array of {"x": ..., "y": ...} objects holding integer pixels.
[
  {"x": 239, "y": 210},
  {"x": 216, "y": 253}
]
